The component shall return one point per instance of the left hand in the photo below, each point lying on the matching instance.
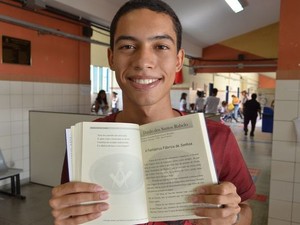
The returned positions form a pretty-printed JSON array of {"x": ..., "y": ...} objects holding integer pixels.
[{"x": 223, "y": 194}]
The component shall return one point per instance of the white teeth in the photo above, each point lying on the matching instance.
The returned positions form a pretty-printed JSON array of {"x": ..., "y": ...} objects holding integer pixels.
[{"x": 144, "y": 81}]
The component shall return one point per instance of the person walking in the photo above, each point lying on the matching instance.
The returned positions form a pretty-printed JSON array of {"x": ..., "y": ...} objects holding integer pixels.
[
  {"x": 252, "y": 109},
  {"x": 236, "y": 104}
]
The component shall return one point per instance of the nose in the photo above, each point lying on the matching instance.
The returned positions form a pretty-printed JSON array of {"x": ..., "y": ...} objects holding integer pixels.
[{"x": 144, "y": 58}]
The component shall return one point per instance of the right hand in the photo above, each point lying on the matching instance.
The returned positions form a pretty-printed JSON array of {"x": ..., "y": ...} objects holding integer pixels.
[
  {"x": 219, "y": 194},
  {"x": 67, "y": 199}
]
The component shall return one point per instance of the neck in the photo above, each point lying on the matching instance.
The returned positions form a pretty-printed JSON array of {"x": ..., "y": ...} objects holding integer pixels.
[{"x": 146, "y": 114}]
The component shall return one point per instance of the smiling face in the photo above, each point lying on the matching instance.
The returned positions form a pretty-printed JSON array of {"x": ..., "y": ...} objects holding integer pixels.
[{"x": 145, "y": 58}]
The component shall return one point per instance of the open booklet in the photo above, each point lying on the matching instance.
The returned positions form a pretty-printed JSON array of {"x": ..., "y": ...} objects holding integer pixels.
[{"x": 150, "y": 171}]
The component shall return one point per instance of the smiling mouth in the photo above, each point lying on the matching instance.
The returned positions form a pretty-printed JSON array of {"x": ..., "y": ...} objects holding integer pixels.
[{"x": 144, "y": 81}]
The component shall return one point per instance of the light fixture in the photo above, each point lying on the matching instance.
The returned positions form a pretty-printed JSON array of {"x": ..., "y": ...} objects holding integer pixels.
[{"x": 236, "y": 5}]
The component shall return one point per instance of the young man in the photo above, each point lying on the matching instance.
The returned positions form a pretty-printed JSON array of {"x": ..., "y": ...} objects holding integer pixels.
[{"x": 145, "y": 52}]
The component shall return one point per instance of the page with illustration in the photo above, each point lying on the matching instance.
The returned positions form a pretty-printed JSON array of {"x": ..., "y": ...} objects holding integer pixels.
[
  {"x": 177, "y": 159},
  {"x": 111, "y": 157}
]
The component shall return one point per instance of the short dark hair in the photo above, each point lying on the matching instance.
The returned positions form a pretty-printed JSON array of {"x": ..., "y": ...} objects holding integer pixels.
[
  {"x": 215, "y": 91},
  {"x": 254, "y": 96},
  {"x": 153, "y": 5},
  {"x": 200, "y": 94}
]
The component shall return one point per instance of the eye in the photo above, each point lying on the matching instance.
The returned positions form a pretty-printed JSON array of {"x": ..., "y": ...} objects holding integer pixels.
[
  {"x": 162, "y": 47},
  {"x": 127, "y": 46}
]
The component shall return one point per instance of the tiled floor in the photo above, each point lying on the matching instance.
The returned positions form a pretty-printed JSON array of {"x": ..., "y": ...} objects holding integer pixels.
[
  {"x": 257, "y": 152},
  {"x": 34, "y": 210}
]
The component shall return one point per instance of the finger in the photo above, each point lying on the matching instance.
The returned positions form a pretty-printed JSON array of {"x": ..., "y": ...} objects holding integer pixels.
[
  {"x": 229, "y": 199},
  {"x": 75, "y": 199},
  {"x": 218, "y": 213},
  {"x": 73, "y": 187},
  {"x": 77, "y": 220},
  {"x": 223, "y": 188},
  {"x": 216, "y": 221},
  {"x": 80, "y": 211}
]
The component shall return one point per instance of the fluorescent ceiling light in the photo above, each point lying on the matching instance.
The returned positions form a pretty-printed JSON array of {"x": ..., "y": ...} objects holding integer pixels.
[{"x": 235, "y": 5}]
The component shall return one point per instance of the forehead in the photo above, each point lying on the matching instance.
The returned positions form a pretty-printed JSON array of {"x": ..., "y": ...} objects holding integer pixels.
[{"x": 145, "y": 20}]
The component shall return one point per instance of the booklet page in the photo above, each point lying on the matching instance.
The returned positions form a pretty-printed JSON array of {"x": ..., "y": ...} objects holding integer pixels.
[
  {"x": 177, "y": 159},
  {"x": 111, "y": 157}
]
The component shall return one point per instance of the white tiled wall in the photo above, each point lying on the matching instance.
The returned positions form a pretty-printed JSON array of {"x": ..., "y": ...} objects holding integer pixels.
[
  {"x": 17, "y": 98},
  {"x": 284, "y": 207}
]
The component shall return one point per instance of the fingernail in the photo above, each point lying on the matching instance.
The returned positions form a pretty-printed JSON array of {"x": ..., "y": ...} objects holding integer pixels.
[
  {"x": 104, "y": 207},
  {"x": 193, "y": 199},
  {"x": 200, "y": 190},
  {"x": 98, "y": 188},
  {"x": 103, "y": 195}
]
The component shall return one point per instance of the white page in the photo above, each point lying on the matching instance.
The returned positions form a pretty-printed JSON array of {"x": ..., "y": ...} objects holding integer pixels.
[
  {"x": 177, "y": 159},
  {"x": 69, "y": 152},
  {"x": 76, "y": 150},
  {"x": 112, "y": 158}
]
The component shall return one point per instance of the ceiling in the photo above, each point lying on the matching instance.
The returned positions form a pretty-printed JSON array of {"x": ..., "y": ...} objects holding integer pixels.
[{"x": 205, "y": 22}]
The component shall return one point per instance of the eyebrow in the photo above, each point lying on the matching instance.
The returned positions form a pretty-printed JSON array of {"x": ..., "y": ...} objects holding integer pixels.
[{"x": 157, "y": 37}]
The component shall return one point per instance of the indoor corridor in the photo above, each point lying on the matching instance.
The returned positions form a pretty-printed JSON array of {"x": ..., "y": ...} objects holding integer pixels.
[{"x": 34, "y": 210}]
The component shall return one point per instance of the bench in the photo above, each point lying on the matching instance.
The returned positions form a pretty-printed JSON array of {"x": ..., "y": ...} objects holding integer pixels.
[{"x": 14, "y": 175}]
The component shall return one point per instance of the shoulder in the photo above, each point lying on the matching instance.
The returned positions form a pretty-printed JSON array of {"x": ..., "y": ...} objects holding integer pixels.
[
  {"x": 215, "y": 128},
  {"x": 208, "y": 98}
]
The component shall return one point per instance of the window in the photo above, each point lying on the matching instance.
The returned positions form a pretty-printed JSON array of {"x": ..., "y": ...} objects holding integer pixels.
[
  {"x": 16, "y": 51},
  {"x": 100, "y": 79}
]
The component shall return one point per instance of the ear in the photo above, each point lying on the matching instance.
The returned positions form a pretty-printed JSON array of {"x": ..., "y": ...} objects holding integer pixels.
[
  {"x": 110, "y": 58},
  {"x": 180, "y": 59}
]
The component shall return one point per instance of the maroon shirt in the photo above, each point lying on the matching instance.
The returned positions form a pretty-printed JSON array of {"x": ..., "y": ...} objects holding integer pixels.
[{"x": 229, "y": 163}]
